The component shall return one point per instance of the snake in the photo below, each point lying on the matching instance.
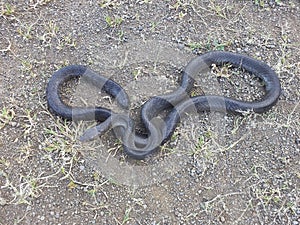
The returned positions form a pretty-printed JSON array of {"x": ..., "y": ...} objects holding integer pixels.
[{"x": 177, "y": 103}]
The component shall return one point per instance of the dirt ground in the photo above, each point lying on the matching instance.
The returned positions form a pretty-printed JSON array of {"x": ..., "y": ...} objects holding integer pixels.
[{"x": 217, "y": 169}]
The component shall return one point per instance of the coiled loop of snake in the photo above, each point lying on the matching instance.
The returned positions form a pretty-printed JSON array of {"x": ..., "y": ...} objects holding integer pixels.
[{"x": 160, "y": 130}]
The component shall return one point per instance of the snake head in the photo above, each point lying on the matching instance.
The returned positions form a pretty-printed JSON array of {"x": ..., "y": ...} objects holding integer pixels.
[
  {"x": 89, "y": 135},
  {"x": 96, "y": 131}
]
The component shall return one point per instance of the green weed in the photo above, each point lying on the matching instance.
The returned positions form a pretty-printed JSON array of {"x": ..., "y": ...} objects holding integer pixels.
[
  {"x": 7, "y": 10},
  {"x": 209, "y": 45},
  {"x": 113, "y": 22},
  {"x": 66, "y": 41},
  {"x": 126, "y": 216},
  {"x": 6, "y": 117},
  {"x": 112, "y": 4}
]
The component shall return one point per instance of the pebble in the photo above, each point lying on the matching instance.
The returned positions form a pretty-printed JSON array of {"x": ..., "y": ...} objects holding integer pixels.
[
  {"x": 81, "y": 168},
  {"x": 180, "y": 46},
  {"x": 2, "y": 201},
  {"x": 222, "y": 219},
  {"x": 13, "y": 124}
]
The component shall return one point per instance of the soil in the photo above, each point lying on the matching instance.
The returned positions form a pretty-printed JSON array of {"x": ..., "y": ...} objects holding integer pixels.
[{"x": 216, "y": 169}]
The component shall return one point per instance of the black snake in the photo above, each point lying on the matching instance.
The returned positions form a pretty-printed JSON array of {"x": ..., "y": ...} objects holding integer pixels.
[{"x": 176, "y": 103}]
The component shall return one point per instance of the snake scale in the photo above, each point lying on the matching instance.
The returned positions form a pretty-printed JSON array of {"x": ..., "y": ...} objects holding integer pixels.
[{"x": 159, "y": 130}]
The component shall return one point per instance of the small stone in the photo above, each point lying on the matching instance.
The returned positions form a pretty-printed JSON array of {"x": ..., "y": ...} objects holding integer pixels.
[
  {"x": 181, "y": 46},
  {"x": 222, "y": 219},
  {"x": 81, "y": 168},
  {"x": 2, "y": 201}
]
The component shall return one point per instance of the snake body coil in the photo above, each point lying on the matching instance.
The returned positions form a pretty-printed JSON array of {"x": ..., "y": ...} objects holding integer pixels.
[{"x": 160, "y": 130}]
